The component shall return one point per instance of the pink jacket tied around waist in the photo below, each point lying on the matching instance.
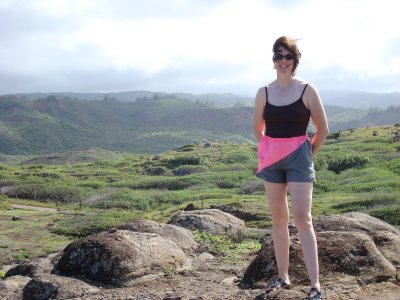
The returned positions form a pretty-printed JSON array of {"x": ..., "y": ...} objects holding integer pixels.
[{"x": 272, "y": 150}]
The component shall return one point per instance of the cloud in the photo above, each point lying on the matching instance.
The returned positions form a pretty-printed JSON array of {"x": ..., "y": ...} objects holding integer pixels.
[{"x": 193, "y": 45}]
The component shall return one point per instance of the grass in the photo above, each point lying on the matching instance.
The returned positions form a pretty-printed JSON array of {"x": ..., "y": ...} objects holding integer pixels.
[
  {"x": 28, "y": 236},
  {"x": 107, "y": 192}
]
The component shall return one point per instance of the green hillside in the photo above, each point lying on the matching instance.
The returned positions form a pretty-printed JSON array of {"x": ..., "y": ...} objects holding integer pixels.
[{"x": 147, "y": 125}]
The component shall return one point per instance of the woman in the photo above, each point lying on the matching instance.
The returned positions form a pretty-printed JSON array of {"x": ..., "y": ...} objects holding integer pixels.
[{"x": 282, "y": 113}]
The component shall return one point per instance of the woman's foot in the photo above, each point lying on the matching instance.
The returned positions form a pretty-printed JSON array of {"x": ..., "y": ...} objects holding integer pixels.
[
  {"x": 277, "y": 285},
  {"x": 314, "y": 294}
]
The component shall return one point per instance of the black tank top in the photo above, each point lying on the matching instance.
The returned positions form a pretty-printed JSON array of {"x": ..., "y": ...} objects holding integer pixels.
[{"x": 287, "y": 120}]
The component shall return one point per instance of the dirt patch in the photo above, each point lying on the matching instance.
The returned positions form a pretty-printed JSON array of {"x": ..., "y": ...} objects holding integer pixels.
[{"x": 40, "y": 208}]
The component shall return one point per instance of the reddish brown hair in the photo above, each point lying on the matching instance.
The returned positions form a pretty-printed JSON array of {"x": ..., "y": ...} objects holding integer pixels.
[{"x": 290, "y": 45}]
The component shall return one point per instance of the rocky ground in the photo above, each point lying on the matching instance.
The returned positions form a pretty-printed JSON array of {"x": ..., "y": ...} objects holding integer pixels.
[
  {"x": 352, "y": 265},
  {"x": 217, "y": 279}
]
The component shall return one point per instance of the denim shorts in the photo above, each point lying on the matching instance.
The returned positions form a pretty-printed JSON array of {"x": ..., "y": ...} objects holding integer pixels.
[{"x": 282, "y": 160}]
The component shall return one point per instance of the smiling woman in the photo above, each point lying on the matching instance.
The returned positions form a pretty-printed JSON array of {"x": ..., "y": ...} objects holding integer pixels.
[{"x": 282, "y": 113}]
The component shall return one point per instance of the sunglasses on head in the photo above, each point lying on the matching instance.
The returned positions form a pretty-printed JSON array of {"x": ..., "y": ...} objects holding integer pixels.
[{"x": 279, "y": 57}]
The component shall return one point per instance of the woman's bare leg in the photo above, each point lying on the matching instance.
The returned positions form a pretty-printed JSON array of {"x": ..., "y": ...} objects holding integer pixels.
[
  {"x": 277, "y": 201},
  {"x": 301, "y": 196}
]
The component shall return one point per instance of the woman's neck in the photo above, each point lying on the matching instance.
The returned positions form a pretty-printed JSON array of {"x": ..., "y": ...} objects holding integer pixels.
[{"x": 285, "y": 81}]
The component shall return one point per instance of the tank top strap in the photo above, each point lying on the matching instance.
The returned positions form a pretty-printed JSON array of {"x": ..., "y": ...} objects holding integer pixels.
[
  {"x": 302, "y": 92},
  {"x": 266, "y": 95}
]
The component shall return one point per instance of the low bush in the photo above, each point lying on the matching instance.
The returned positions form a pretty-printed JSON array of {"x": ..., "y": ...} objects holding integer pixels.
[
  {"x": 341, "y": 163},
  {"x": 235, "y": 157},
  {"x": 252, "y": 187},
  {"x": 389, "y": 214},
  {"x": 324, "y": 186},
  {"x": 188, "y": 169},
  {"x": 157, "y": 171},
  {"x": 164, "y": 183},
  {"x": 84, "y": 225},
  {"x": 180, "y": 160}
]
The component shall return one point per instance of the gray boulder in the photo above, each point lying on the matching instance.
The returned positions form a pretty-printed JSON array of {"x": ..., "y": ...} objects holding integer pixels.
[
  {"x": 212, "y": 221},
  {"x": 353, "y": 252},
  {"x": 120, "y": 257},
  {"x": 385, "y": 236},
  {"x": 182, "y": 237},
  {"x": 48, "y": 285},
  {"x": 11, "y": 287},
  {"x": 40, "y": 265}
]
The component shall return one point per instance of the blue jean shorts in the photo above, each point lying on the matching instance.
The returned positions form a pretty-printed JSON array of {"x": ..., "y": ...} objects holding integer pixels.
[{"x": 297, "y": 166}]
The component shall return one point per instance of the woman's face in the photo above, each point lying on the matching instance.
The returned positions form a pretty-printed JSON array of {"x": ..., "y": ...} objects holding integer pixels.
[{"x": 283, "y": 61}]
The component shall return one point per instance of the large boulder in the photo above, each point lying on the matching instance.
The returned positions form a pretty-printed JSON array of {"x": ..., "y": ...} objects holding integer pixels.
[
  {"x": 212, "y": 221},
  {"x": 350, "y": 251},
  {"x": 385, "y": 236},
  {"x": 120, "y": 257},
  {"x": 182, "y": 237}
]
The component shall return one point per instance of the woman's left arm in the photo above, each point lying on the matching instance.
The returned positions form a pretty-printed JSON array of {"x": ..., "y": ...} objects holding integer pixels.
[{"x": 318, "y": 116}]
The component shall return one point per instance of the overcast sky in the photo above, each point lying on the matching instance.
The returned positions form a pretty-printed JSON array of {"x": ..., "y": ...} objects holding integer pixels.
[{"x": 194, "y": 46}]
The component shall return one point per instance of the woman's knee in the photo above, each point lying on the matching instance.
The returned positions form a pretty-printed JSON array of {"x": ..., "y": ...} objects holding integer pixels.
[
  {"x": 279, "y": 220},
  {"x": 303, "y": 222}
]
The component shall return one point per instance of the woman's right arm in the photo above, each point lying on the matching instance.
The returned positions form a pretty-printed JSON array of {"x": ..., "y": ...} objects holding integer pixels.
[{"x": 258, "y": 120}]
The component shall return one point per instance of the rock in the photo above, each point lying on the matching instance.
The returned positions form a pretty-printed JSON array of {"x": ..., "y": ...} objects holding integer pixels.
[
  {"x": 190, "y": 207},
  {"x": 212, "y": 221},
  {"x": 205, "y": 257},
  {"x": 38, "y": 289},
  {"x": 385, "y": 236},
  {"x": 281, "y": 294},
  {"x": 182, "y": 237},
  {"x": 176, "y": 296},
  {"x": 236, "y": 210},
  {"x": 33, "y": 267},
  {"x": 351, "y": 253},
  {"x": 67, "y": 288},
  {"x": 11, "y": 287},
  {"x": 120, "y": 257}
]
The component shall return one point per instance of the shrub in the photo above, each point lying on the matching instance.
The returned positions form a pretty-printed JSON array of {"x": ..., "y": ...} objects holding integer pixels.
[
  {"x": 235, "y": 157},
  {"x": 157, "y": 171},
  {"x": 183, "y": 160},
  {"x": 225, "y": 184},
  {"x": 320, "y": 163},
  {"x": 46, "y": 192},
  {"x": 80, "y": 226},
  {"x": 324, "y": 186},
  {"x": 4, "y": 204},
  {"x": 341, "y": 163},
  {"x": 252, "y": 187},
  {"x": 164, "y": 183},
  {"x": 389, "y": 214},
  {"x": 188, "y": 169}
]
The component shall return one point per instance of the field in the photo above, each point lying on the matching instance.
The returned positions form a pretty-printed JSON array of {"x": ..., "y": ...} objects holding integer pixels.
[{"x": 357, "y": 170}]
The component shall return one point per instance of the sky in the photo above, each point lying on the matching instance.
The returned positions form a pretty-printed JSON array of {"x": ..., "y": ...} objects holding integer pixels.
[{"x": 195, "y": 46}]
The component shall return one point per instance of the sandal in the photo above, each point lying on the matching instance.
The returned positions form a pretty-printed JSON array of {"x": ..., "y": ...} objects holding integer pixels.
[
  {"x": 277, "y": 285},
  {"x": 314, "y": 294}
]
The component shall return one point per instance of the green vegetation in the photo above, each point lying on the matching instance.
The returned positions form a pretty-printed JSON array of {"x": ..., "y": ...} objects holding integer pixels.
[
  {"x": 357, "y": 170},
  {"x": 148, "y": 125},
  {"x": 223, "y": 245}
]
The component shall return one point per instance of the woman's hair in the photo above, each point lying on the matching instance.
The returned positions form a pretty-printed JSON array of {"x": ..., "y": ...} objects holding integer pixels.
[{"x": 290, "y": 45}]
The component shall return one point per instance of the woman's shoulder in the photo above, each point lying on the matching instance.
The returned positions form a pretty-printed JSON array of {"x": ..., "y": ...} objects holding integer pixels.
[{"x": 304, "y": 83}]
